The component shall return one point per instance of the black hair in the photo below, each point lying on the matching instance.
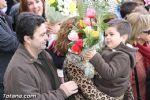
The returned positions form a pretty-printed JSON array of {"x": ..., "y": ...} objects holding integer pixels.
[
  {"x": 26, "y": 24},
  {"x": 127, "y": 7}
]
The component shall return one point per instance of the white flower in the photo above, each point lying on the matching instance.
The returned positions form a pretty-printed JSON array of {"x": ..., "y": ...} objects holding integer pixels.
[
  {"x": 60, "y": 2},
  {"x": 68, "y": 1},
  {"x": 62, "y": 13},
  {"x": 60, "y": 8},
  {"x": 66, "y": 7}
]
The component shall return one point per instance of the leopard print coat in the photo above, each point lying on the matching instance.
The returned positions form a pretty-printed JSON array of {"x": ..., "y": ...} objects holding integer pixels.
[{"x": 87, "y": 90}]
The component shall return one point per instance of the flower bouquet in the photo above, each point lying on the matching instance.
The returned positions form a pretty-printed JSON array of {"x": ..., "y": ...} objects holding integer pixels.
[{"x": 86, "y": 33}]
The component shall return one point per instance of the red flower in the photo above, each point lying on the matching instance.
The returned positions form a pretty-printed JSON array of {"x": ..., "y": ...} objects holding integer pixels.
[
  {"x": 77, "y": 47},
  {"x": 79, "y": 43}
]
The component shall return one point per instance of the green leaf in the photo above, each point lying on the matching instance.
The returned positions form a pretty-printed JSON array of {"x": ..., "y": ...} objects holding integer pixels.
[{"x": 82, "y": 9}]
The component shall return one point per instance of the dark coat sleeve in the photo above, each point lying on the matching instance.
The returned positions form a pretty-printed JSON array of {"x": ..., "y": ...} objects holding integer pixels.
[
  {"x": 8, "y": 39},
  {"x": 112, "y": 69},
  {"x": 14, "y": 12}
]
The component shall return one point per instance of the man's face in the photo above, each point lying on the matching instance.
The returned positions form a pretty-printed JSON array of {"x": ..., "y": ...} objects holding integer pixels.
[
  {"x": 39, "y": 40},
  {"x": 112, "y": 37},
  {"x": 3, "y": 4}
]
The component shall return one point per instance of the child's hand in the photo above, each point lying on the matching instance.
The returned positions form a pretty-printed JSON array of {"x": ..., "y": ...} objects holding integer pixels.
[{"x": 89, "y": 54}]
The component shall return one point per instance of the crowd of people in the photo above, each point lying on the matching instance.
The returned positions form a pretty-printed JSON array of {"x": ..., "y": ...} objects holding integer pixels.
[{"x": 35, "y": 58}]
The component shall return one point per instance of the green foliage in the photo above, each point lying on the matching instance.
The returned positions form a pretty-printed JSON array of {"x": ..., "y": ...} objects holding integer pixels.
[
  {"x": 89, "y": 42},
  {"x": 101, "y": 8},
  {"x": 55, "y": 4},
  {"x": 82, "y": 9}
]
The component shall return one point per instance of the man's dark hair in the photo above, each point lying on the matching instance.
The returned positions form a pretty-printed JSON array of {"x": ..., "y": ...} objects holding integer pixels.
[
  {"x": 127, "y": 7},
  {"x": 26, "y": 24}
]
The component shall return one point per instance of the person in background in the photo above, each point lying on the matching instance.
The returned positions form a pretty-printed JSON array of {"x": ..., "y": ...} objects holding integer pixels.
[
  {"x": 58, "y": 58},
  {"x": 140, "y": 2},
  {"x": 53, "y": 28},
  {"x": 14, "y": 12},
  {"x": 31, "y": 70},
  {"x": 141, "y": 10},
  {"x": 139, "y": 38},
  {"x": 130, "y": 7},
  {"x": 10, "y": 3},
  {"x": 54, "y": 20},
  {"x": 127, "y": 7},
  {"x": 35, "y": 6},
  {"x": 8, "y": 42}
]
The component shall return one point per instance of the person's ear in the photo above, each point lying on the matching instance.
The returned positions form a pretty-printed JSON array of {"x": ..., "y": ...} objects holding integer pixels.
[
  {"x": 124, "y": 38},
  {"x": 27, "y": 39}
]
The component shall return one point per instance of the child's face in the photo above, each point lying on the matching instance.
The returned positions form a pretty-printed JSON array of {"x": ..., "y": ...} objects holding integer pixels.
[
  {"x": 54, "y": 28},
  {"x": 112, "y": 37}
]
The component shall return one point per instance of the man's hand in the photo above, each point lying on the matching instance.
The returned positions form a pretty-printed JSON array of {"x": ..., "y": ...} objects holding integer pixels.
[{"x": 69, "y": 88}]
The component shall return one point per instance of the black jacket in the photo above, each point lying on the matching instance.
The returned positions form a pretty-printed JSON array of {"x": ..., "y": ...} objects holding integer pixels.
[{"x": 8, "y": 44}]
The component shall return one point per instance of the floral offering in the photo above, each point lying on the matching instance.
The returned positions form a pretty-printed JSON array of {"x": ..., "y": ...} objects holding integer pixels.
[
  {"x": 88, "y": 29},
  {"x": 84, "y": 34}
]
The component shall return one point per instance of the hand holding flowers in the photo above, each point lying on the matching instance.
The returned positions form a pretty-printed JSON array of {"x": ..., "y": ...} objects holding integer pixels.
[{"x": 88, "y": 55}]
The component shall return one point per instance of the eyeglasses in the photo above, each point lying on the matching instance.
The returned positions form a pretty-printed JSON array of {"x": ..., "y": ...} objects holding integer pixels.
[{"x": 147, "y": 32}]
